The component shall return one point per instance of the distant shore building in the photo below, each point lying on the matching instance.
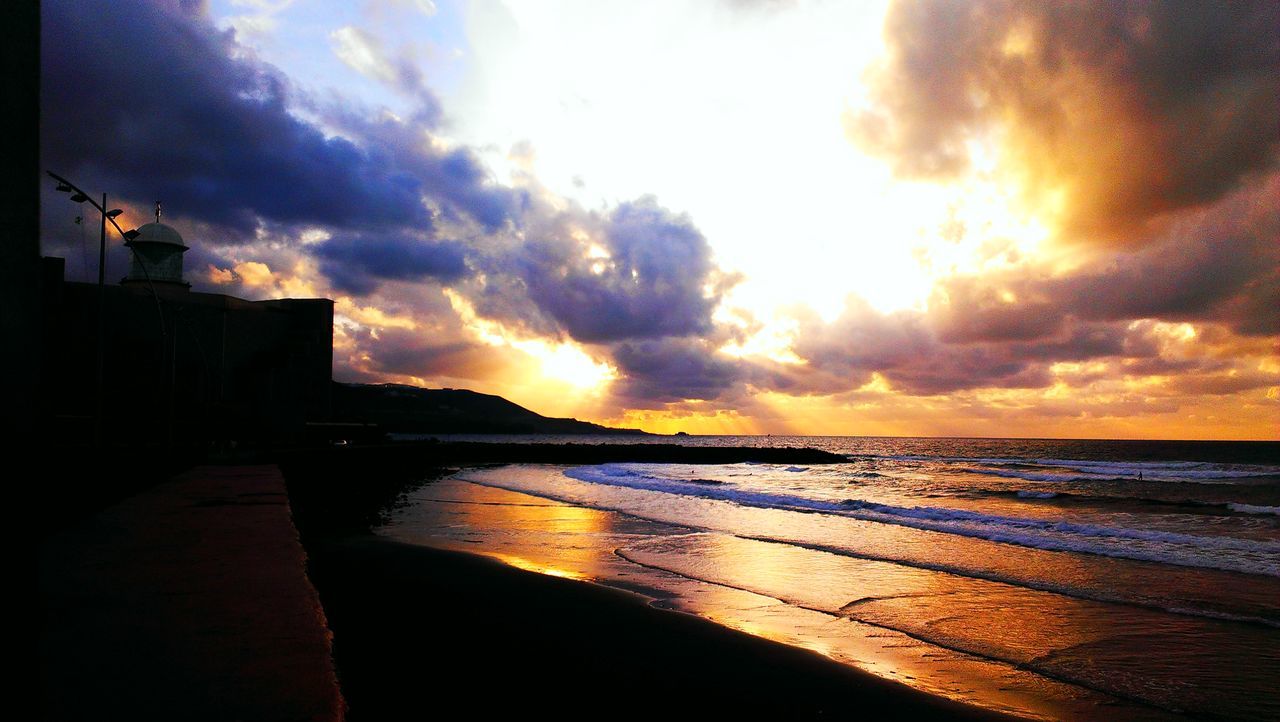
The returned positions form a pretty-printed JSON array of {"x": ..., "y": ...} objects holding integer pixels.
[{"x": 182, "y": 366}]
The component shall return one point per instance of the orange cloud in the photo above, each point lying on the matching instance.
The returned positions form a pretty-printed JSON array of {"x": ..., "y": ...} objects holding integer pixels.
[{"x": 1108, "y": 115}]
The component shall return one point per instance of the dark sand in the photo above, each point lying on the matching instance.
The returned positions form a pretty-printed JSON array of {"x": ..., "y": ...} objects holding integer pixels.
[{"x": 420, "y": 631}]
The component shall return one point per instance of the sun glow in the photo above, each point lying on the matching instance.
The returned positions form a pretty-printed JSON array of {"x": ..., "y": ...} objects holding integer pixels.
[
  {"x": 539, "y": 567},
  {"x": 782, "y": 195},
  {"x": 562, "y": 361},
  {"x": 689, "y": 419},
  {"x": 968, "y": 225},
  {"x": 347, "y": 310},
  {"x": 771, "y": 341}
]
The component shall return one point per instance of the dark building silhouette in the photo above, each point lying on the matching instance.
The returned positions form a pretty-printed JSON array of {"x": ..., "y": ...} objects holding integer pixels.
[{"x": 181, "y": 366}]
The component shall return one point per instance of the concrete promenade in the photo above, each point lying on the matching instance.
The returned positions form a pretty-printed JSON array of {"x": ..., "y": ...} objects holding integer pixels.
[{"x": 189, "y": 601}]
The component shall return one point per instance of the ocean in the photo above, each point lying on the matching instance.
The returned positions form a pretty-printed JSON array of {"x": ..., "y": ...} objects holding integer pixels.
[{"x": 1047, "y": 578}]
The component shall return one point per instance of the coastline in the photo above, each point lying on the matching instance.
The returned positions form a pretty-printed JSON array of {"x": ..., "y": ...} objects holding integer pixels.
[
  {"x": 553, "y": 531},
  {"x": 416, "y": 623},
  {"x": 411, "y": 623},
  {"x": 416, "y": 626}
]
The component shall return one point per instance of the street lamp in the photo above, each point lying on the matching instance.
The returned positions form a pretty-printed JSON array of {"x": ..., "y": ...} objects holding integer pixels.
[{"x": 79, "y": 196}]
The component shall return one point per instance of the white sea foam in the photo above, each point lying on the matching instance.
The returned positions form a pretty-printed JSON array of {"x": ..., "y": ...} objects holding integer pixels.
[
  {"x": 1217, "y": 552},
  {"x": 1163, "y": 470},
  {"x": 1045, "y": 469},
  {"x": 1254, "y": 509},
  {"x": 1054, "y": 470},
  {"x": 1038, "y": 476},
  {"x": 1024, "y": 494}
]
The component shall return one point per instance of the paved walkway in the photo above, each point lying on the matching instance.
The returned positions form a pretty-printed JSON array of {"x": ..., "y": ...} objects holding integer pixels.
[{"x": 189, "y": 601}]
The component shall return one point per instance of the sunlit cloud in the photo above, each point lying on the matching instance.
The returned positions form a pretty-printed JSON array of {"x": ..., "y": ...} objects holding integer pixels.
[{"x": 563, "y": 361}]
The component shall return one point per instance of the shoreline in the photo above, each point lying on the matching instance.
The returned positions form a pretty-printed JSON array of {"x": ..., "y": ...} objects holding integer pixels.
[
  {"x": 478, "y": 616},
  {"x": 345, "y": 489},
  {"x": 526, "y": 641},
  {"x": 475, "y": 512},
  {"x": 386, "y": 601}
]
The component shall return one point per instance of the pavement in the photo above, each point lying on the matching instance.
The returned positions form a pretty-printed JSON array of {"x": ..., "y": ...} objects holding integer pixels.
[{"x": 189, "y": 601}]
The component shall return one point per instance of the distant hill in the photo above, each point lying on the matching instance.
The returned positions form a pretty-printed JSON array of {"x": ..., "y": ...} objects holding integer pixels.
[{"x": 409, "y": 409}]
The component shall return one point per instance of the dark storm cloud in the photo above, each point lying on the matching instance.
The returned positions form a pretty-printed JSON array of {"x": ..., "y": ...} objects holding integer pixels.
[
  {"x": 672, "y": 369},
  {"x": 1162, "y": 366},
  {"x": 657, "y": 280},
  {"x": 904, "y": 348},
  {"x": 412, "y": 353},
  {"x": 1100, "y": 317},
  {"x": 1085, "y": 342},
  {"x": 969, "y": 308},
  {"x": 358, "y": 263},
  {"x": 1229, "y": 275},
  {"x": 454, "y": 178},
  {"x": 915, "y": 357},
  {"x": 153, "y": 101},
  {"x": 638, "y": 285},
  {"x": 225, "y": 141},
  {"x": 1196, "y": 280},
  {"x": 1129, "y": 109},
  {"x": 1223, "y": 384}
]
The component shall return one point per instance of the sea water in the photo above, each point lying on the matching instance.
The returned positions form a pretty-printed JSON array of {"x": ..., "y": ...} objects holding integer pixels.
[{"x": 1144, "y": 573}]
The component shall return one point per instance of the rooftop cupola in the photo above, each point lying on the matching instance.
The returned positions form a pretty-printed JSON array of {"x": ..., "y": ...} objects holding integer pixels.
[{"x": 157, "y": 254}]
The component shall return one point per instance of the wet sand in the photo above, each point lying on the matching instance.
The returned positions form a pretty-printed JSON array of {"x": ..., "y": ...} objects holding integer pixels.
[
  {"x": 434, "y": 622},
  {"x": 417, "y": 629},
  {"x": 772, "y": 591}
]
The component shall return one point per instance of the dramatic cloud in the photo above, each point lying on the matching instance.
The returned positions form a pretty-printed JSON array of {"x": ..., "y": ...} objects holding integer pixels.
[
  {"x": 1112, "y": 112},
  {"x": 454, "y": 181},
  {"x": 1140, "y": 137},
  {"x": 153, "y": 101},
  {"x": 358, "y": 263},
  {"x": 906, "y": 351},
  {"x": 671, "y": 370},
  {"x": 1222, "y": 266},
  {"x": 639, "y": 272},
  {"x": 1014, "y": 332},
  {"x": 218, "y": 135},
  {"x": 411, "y": 353}
]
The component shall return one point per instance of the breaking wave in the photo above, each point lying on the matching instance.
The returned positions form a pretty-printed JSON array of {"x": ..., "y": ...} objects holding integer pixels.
[{"x": 1214, "y": 552}]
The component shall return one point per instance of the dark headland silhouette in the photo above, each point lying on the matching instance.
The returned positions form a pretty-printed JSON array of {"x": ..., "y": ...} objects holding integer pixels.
[{"x": 398, "y": 408}]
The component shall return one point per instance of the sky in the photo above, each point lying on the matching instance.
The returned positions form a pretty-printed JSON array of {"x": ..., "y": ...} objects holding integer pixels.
[{"x": 897, "y": 217}]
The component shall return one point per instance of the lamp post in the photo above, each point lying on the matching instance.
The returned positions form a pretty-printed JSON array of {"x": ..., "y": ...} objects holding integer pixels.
[{"x": 79, "y": 196}]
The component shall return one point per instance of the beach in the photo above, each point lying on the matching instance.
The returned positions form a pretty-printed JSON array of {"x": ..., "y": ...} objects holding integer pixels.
[
  {"x": 1033, "y": 584},
  {"x": 417, "y": 626},
  {"x": 733, "y": 580},
  {"x": 419, "y": 629},
  {"x": 408, "y": 359}
]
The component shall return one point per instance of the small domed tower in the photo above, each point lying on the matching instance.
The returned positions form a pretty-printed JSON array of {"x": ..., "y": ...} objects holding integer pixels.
[{"x": 159, "y": 248}]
